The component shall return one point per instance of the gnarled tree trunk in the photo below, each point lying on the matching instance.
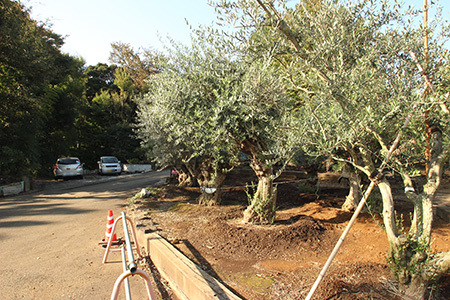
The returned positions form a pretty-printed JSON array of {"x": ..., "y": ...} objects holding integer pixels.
[
  {"x": 262, "y": 206},
  {"x": 355, "y": 194},
  {"x": 410, "y": 258},
  {"x": 406, "y": 255},
  {"x": 211, "y": 182},
  {"x": 185, "y": 176}
]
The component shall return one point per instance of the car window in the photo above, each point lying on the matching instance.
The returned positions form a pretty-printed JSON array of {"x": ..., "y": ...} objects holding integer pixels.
[
  {"x": 68, "y": 161},
  {"x": 109, "y": 160}
]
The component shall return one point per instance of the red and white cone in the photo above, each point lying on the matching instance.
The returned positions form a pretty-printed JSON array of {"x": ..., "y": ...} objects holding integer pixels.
[{"x": 109, "y": 226}]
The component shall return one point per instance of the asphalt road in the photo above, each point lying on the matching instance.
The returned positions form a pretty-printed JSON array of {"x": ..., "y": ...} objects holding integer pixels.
[{"x": 49, "y": 240}]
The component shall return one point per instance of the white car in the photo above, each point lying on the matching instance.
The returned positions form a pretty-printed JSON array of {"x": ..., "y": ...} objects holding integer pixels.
[
  {"x": 109, "y": 165},
  {"x": 68, "y": 167}
]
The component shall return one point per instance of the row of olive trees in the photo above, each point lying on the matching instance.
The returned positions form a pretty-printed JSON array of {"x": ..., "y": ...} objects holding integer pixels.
[
  {"x": 356, "y": 70},
  {"x": 325, "y": 76},
  {"x": 209, "y": 104}
]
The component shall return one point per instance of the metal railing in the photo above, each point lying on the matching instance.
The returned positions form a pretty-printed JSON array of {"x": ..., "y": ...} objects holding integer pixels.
[{"x": 130, "y": 267}]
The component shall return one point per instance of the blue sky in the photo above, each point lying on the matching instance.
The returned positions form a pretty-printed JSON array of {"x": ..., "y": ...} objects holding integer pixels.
[{"x": 90, "y": 26}]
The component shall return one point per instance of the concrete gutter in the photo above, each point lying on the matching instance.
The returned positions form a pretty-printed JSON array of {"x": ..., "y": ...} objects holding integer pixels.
[
  {"x": 187, "y": 280},
  {"x": 12, "y": 188},
  {"x": 134, "y": 168}
]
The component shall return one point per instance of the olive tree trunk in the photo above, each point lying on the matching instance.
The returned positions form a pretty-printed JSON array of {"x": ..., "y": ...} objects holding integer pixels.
[
  {"x": 263, "y": 203},
  {"x": 262, "y": 206},
  {"x": 412, "y": 263},
  {"x": 211, "y": 182},
  {"x": 355, "y": 194},
  {"x": 185, "y": 176}
]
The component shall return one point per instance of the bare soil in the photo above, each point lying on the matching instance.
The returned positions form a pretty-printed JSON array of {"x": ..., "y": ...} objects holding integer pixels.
[{"x": 282, "y": 261}]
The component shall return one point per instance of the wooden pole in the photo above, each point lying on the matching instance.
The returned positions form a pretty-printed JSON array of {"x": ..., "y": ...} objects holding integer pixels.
[
  {"x": 357, "y": 211},
  {"x": 427, "y": 86}
]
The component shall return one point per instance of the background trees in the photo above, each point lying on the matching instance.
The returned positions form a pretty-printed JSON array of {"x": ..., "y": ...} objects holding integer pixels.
[
  {"x": 108, "y": 117},
  {"x": 52, "y": 106},
  {"x": 140, "y": 66},
  {"x": 36, "y": 82}
]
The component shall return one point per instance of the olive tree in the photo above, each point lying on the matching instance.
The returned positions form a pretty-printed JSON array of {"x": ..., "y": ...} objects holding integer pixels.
[
  {"x": 260, "y": 118},
  {"x": 353, "y": 70},
  {"x": 212, "y": 102},
  {"x": 178, "y": 117}
]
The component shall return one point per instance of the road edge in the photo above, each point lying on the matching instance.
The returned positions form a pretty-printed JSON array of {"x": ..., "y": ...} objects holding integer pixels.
[{"x": 187, "y": 280}]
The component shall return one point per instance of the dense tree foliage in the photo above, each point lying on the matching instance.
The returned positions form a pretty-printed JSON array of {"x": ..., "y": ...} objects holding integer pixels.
[
  {"x": 354, "y": 72},
  {"x": 106, "y": 122},
  {"x": 209, "y": 104},
  {"x": 52, "y": 106},
  {"x": 100, "y": 78},
  {"x": 37, "y": 83},
  {"x": 140, "y": 66},
  {"x": 177, "y": 117}
]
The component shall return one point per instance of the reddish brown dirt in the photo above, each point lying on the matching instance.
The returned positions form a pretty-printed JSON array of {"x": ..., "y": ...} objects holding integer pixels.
[{"x": 283, "y": 260}]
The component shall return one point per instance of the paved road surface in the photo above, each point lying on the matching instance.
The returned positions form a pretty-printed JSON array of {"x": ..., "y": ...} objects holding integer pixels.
[{"x": 49, "y": 240}]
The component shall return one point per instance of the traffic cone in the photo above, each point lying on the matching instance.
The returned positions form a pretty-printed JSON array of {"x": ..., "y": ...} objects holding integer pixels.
[{"x": 109, "y": 226}]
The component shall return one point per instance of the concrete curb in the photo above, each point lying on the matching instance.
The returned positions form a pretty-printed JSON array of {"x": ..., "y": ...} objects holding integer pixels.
[{"x": 186, "y": 279}]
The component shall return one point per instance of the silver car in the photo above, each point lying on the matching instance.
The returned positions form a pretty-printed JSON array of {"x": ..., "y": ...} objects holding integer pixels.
[
  {"x": 68, "y": 167},
  {"x": 109, "y": 165}
]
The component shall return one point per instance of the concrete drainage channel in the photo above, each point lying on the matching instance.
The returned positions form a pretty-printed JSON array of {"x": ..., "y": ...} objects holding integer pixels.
[{"x": 187, "y": 280}]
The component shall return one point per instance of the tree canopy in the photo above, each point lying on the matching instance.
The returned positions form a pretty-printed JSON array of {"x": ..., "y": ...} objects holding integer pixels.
[
  {"x": 354, "y": 70},
  {"x": 36, "y": 82}
]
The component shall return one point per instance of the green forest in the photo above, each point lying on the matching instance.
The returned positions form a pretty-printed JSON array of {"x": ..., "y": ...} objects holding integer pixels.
[
  {"x": 364, "y": 83},
  {"x": 53, "y": 105}
]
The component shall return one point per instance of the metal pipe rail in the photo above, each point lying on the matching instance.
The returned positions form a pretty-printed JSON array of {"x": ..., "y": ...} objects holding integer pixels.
[
  {"x": 127, "y": 282},
  {"x": 125, "y": 275},
  {"x": 130, "y": 268},
  {"x": 108, "y": 245}
]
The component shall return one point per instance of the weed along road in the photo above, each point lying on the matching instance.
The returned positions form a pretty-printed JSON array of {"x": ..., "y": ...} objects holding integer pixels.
[{"x": 49, "y": 239}]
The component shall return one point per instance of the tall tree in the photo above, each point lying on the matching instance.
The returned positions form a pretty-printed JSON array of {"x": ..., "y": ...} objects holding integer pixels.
[
  {"x": 107, "y": 122},
  {"x": 139, "y": 65},
  {"x": 31, "y": 63},
  {"x": 100, "y": 78},
  {"x": 64, "y": 99}
]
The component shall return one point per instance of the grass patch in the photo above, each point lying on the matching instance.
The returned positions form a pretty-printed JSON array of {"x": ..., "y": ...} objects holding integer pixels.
[{"x": 256, "y": 282}]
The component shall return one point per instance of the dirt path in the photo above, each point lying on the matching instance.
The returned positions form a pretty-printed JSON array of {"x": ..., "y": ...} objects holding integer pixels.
[
  {"x": 442, "y": 202},
  {"x": 49, "y": 240}
]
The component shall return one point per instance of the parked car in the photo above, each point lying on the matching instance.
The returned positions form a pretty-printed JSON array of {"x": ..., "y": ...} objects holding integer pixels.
[
  {"x": 66, "y": 167},
  {"x": 109, "y": 165}
]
